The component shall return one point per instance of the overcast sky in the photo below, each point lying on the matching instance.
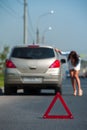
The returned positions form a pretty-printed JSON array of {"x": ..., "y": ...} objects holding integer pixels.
[{"x": 69, "y": 23}]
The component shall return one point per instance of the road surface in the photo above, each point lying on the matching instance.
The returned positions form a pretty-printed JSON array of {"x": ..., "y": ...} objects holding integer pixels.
[{"x": 25, "y": 112}]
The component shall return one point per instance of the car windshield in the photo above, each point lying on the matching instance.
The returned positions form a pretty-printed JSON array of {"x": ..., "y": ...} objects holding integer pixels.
[{"x": 33, "y": 53}]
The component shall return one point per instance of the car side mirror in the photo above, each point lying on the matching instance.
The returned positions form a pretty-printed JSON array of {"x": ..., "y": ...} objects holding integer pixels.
[{"x": 63, "y": 61}]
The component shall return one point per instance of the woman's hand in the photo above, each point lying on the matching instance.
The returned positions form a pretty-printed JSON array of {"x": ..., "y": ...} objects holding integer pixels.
[{"x": 57, "y": 50}]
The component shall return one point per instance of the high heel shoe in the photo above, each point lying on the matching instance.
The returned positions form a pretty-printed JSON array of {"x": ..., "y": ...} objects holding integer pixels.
[
  {"x": 80, "y": 93},
  {"x": 75, "y": 92}
]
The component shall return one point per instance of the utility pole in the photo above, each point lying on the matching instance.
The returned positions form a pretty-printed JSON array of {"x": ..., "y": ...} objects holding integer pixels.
[
  {"x": 25, "y": 21},
  {"x": 37, "y": 36}
]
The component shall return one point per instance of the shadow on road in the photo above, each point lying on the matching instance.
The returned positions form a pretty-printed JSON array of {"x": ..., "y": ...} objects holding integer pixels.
[{"x": 21, "y": 93}]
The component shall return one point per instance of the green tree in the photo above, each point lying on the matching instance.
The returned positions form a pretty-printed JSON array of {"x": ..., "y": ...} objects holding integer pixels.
[
  {"x": 3, "y": 56},
  {"x": 4, "y": 53}
]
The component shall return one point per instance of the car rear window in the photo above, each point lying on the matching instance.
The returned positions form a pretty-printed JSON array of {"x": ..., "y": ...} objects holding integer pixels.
[{"x": 32, "y": 53}]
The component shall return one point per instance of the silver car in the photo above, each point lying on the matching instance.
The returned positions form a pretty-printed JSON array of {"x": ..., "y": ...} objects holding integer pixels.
[{"x": 32, "y": 68}]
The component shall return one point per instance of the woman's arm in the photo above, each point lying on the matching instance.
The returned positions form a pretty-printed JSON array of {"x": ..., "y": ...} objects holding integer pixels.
[{"x": 62, "y": 52}]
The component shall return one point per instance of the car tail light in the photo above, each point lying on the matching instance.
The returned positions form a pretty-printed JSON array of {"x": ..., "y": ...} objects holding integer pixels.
[
  {"x": 55, "y": 64},
  {"x": 10, "y": 64}
]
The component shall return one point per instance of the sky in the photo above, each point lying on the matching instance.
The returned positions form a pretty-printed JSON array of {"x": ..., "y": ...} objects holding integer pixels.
[{"x": 68, "y": 23}]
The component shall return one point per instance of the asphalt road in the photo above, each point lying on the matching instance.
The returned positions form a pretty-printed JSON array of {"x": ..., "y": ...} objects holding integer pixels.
[{"x": 25, "y": 112}]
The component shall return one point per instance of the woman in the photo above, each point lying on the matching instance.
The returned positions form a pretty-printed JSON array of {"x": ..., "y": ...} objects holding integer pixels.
[{"x": 74, "y": 64}]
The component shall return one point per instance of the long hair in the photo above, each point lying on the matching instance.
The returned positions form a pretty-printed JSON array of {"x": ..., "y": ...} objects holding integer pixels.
[{"x": 73, "y": 55}]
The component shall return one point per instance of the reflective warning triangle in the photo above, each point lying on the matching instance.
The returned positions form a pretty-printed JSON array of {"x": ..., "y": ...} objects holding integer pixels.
[{"x": 69, "y": 114}]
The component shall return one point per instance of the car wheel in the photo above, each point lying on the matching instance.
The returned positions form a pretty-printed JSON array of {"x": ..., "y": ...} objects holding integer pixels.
[
  {"x": 58, "y": 89},
  {"x": 8, "y": 90}
]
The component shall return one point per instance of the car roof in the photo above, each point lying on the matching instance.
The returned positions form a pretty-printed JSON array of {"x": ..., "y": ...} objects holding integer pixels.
[{"x": 33, "y": 46}]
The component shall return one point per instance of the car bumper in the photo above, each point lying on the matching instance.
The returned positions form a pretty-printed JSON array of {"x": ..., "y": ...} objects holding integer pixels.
[{"x": 24, "y": 80}]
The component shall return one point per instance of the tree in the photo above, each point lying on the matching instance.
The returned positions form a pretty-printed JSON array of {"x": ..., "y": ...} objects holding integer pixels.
[{"x": 3, "y": 56}]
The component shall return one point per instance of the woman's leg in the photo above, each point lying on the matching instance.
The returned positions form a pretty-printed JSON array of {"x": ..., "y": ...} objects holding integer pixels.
[
  {"x": 76, "y": 75},
  {"x": 73, "y": 80}
]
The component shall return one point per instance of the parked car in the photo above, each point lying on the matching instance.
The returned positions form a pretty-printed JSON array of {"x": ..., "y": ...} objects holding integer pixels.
[{"x": 32, "y": 68}]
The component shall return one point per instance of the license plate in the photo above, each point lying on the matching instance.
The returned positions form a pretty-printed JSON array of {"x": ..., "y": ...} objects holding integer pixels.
[{"x": 32, "y": 80}]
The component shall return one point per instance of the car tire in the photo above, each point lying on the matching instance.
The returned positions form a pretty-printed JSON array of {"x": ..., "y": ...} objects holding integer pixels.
[
  {"x": 8, "y": 90},
  {"x": 58, "y": 89}
]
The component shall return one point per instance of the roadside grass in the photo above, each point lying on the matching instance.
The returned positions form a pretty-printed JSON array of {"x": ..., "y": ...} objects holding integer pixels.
[{"x": 1, "y": 80}]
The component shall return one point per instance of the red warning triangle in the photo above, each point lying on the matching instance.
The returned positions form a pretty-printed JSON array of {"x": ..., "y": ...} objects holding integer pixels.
[{"x": 46, "y": 115}]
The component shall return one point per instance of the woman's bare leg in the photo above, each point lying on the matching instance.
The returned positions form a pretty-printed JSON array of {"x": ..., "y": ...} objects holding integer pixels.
[
  {"x": 76, "y": 75},
  {"x": 73, "y": 80}
]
